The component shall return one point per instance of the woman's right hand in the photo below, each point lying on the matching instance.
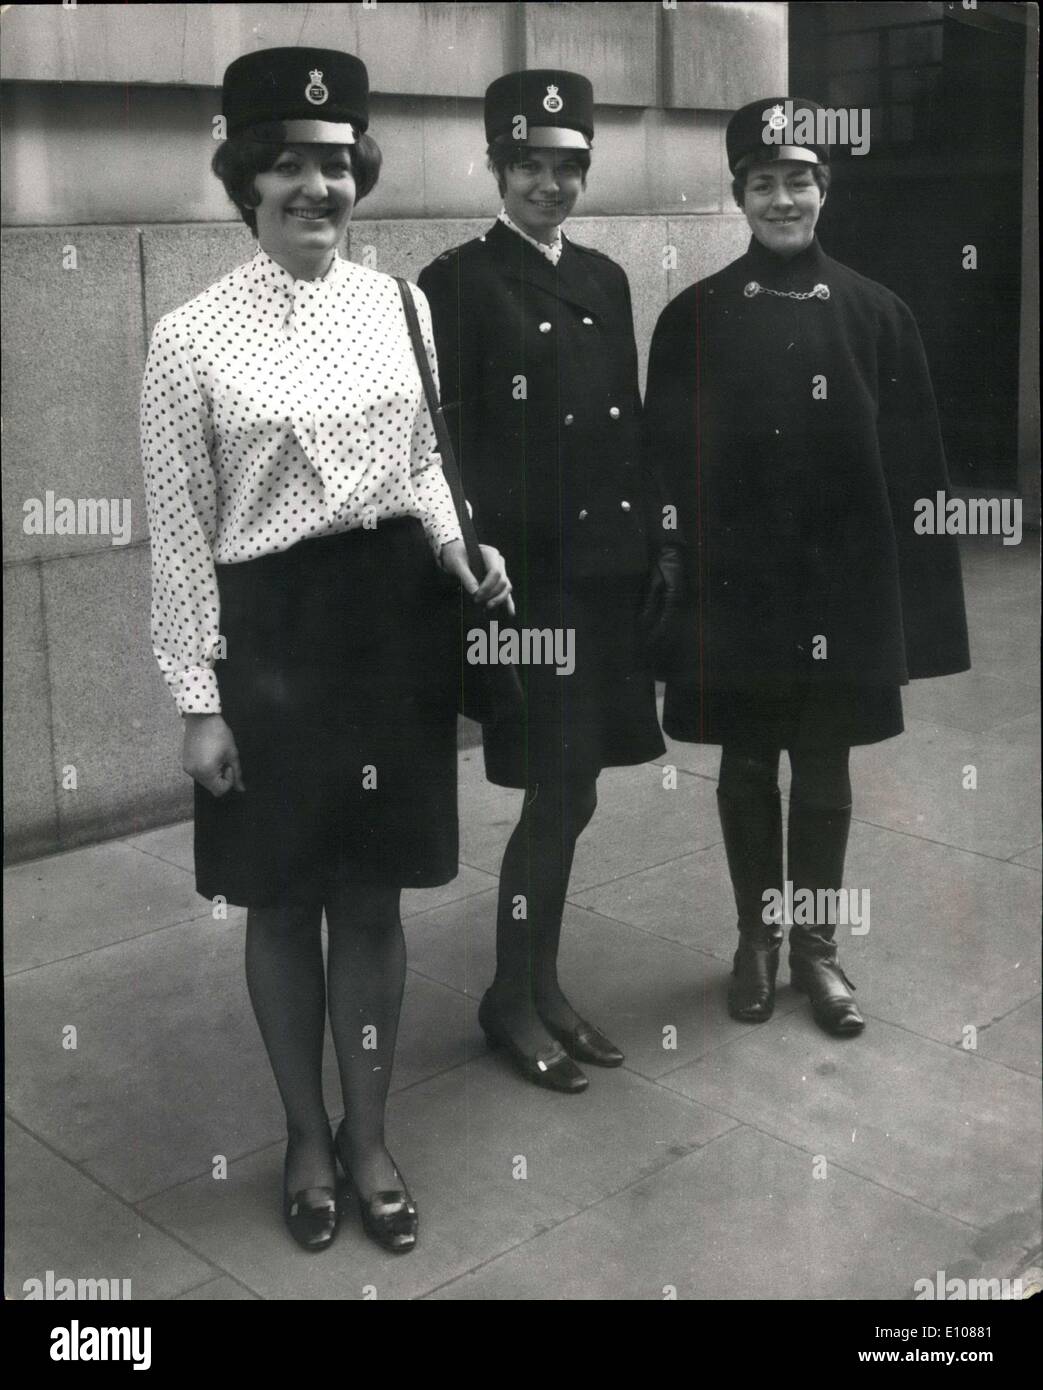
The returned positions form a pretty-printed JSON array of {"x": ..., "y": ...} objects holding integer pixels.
[
  {"x": 495, "y": 588},
  {"x": 209, "y": 754}
]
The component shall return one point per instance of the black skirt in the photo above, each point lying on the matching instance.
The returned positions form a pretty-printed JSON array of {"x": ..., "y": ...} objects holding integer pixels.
[
  {"x": 339, "y": 686},
  {"x": 601, "y": 715},
  {"x": 787, "y": 715}
]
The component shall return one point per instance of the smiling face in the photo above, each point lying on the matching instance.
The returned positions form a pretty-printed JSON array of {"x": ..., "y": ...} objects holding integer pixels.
[
  {"x": 541, "y": 190},
  {"x": 306, "y": 201},
  {"x": 782, "y": 203}
]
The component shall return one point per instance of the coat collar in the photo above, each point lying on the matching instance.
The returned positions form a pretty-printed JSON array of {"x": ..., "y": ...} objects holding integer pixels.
[
  {"x": 810, "y": 265},
  {"x": 570, "y": 279},
  {"x": 550, "y": 251}
]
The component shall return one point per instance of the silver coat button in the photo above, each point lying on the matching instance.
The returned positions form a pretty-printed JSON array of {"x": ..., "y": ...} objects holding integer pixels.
[
  {"x": 624, "y": 506},
  {"x": 545, "y": 327},
  {"x": 614, "y": 412},
  {"x": 583, "y": 514},
  {"x": 569, "y": 419}
]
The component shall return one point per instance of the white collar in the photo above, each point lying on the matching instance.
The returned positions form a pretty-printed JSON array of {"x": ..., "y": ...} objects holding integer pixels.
[
  {"x": 550, "y": 250},
  {"x": 264, "y": 268},
  {"x": 279, "y": 291}
]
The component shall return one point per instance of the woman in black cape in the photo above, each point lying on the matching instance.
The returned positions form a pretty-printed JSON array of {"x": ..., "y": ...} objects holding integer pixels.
[{"x": 790, "y": 416}]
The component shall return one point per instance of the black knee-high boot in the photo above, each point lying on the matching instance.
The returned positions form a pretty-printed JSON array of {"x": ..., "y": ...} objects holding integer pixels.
[
  {"x": 752, "y": 827},
  {"x": 817, "y": 846}
]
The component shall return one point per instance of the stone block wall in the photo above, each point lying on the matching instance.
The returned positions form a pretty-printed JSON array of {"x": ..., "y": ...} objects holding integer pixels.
[{"x": 111, "y": 217}]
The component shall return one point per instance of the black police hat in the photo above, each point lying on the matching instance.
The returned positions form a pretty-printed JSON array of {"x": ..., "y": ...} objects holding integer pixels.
[
  {"x": 558, "y": 109},
  {"x": 776, "y": 128},
  {"x": 320, "y": 93}
]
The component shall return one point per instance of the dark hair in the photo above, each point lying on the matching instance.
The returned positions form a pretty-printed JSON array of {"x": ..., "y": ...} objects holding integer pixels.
[
  {"x": 240, "y": 158},
  {"x": 505, "y": 152},
  {"x": 819, "y": 172}
]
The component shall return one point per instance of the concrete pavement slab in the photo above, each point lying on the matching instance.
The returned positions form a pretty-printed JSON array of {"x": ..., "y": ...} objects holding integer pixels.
[
  {"x": 1024, "y": 669},
  {"x": 640, "y": 822},
  {"x": 700, "y": 759},
  {"x": 1031, "y": 858},
  {"x": 456, "y": 945},
  {"x": 1015, "y": 1040},
  {"x": 1004, "y": 636},
  {"x": 689, "y": 900},
  {"x": 169, "y": 1069},
  {"x": 435, "y": 1032},
  {"x": 59, "y": 1220},
  {"x": 997, "y": 571},
  {"x": 953, "y": 937},
  {"x": 467, "y": 884},
  {"x": 73, "y": 903},
  {"x": 460, "y": 1139},
  {"x": 972, "y": 700},
  {"x": 947, "y": 1127},
  {"x": 1001, "y": 584},
  {"x": 1005, "y": 643},
  {"x": 1003, "y": 624},
  {"x": 743, "y": 1218},
  {"x": 172, "y": 843},
  {"x": 637, "y": 822},
  {"x": 223, "y": 1289},
  {"x": 915, "y": 784},
  {"x": 1024, "y": 731}
]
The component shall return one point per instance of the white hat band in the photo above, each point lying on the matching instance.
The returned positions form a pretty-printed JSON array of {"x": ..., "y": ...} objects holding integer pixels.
[
  {"x": 557, "y": 137},
  {"x": 320, "y": 132}
]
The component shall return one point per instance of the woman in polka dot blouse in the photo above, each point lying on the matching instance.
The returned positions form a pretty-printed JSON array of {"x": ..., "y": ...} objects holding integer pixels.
[{"x": 297, "y": 508}]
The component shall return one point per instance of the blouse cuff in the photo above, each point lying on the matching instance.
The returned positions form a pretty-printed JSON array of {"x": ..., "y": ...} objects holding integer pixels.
[
  {"x": 197, "y": 692},
  {"x": 440, "y": 531}
]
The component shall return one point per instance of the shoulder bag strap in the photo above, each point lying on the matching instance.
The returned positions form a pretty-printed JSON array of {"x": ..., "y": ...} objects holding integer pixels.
[{"x": 445, "y": 446}]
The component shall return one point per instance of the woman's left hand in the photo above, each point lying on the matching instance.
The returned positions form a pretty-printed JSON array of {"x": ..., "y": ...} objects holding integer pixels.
[
  {"x": 495, "y": 588},
  {"x": 667, "y": 619}
]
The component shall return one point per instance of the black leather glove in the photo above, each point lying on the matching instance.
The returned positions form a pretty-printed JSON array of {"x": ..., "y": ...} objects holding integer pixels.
[{"x": 666, "y": 609}]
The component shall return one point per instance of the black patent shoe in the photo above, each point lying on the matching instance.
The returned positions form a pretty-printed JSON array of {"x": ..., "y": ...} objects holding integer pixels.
[
  {"x": 550, "y": 1067},
  {"x": 311, "y": 1216},
  {"x": 830, "y": 992},
  {"x": 586, "y": 1044},
  {"x": 389, "y": 1217},
  {"x": 751, "y": 994}
]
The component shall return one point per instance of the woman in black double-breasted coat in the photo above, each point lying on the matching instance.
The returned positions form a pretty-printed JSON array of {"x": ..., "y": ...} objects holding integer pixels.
[
  {"x": 790, "y": 416},
  {"x": 538, "y": 370}
]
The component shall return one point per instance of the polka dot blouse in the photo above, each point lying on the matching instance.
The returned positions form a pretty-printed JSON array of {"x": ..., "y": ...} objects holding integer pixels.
[{"x": 274, "y": 409}]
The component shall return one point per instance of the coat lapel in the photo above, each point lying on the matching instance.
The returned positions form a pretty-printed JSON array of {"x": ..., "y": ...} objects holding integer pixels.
[
  {"x": 570, "y": 279},
  {"x": 578, "y": 282}
]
